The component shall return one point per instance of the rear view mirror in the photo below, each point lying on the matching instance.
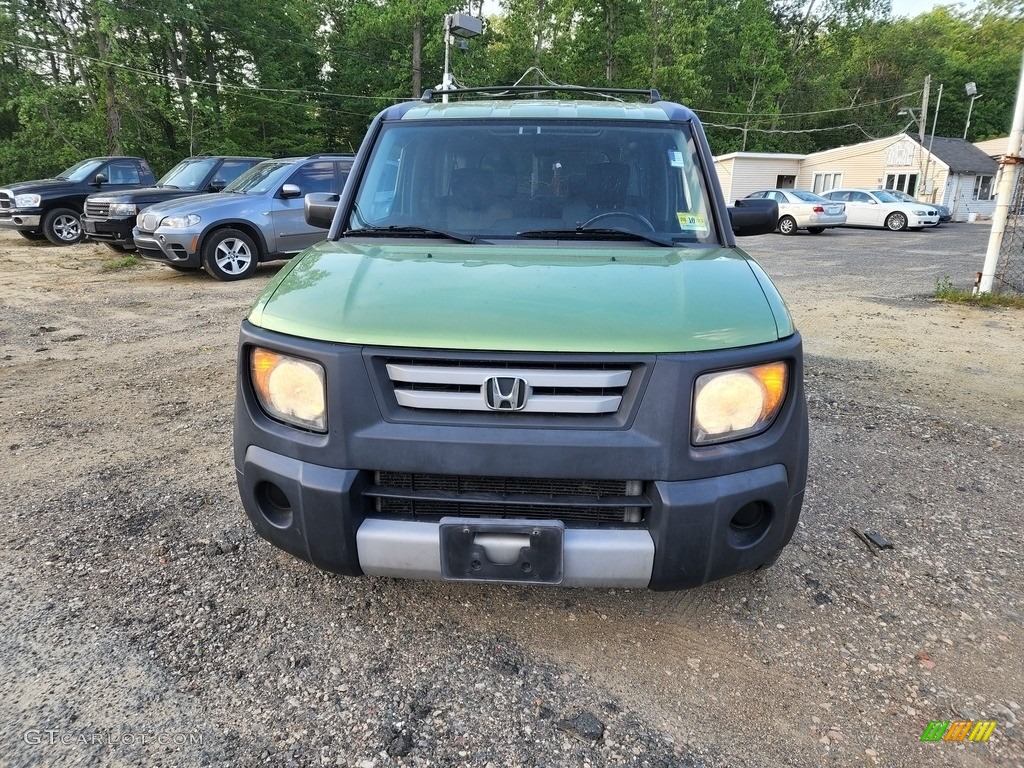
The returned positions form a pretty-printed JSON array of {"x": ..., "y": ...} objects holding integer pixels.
[
  {"x": 753, "y": 216},
  {"x": 319, "y": 208},
  {"x": 290, "y": 190},
  {"x": 217, "y": 185},
  {"x": 99, "y": 180}
]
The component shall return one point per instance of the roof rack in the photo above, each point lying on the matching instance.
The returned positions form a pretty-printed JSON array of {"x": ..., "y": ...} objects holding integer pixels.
[{"x": 511, "y": 90}]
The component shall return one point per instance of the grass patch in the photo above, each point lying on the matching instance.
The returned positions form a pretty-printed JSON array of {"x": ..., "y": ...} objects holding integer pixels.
[
  {"x": 122, "y": 263},
  {"x": 946, "y": 291}
]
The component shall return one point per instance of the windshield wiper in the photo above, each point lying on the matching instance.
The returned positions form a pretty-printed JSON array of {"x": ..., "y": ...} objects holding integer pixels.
[
  {"x": 583, "y": 234},
  {"x": 371, "y": 231}
]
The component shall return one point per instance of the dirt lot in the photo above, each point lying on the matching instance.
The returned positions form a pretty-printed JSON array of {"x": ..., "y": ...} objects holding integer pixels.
[{"x": 143, "y": 623}]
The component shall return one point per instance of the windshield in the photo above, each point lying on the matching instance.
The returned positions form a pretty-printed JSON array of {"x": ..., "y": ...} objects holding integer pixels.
[
  {"x": 188, "y": 174},
  {"x": 494, "y": 179},
  {"x": 81, "y": 171},
  {"x": 260, "y": 178}
]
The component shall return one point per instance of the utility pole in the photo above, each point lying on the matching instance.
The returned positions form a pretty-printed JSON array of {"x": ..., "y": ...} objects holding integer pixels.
[{"x": 1007, "y": 178}]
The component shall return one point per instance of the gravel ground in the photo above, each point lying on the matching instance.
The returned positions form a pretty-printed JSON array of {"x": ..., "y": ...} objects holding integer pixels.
[{"x": 144, "y": 623}]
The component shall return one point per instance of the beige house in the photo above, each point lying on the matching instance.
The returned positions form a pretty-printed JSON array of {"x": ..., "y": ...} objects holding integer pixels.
[
  {"x": 996, "y": 149},
  {"x": 952, "y": 172}
]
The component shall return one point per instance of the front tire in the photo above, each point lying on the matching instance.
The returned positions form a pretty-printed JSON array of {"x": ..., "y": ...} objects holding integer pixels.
[
  {"x": 896, "y": 221},
  {"x": 815, "y": 230},
  {"x": 61, "y": 226},
  {"x": 230, "y": 254},
  {"x": 787, "y": 225}
]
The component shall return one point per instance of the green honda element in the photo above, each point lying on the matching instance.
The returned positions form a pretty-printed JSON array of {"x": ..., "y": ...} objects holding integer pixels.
[{"x": 529, "y": 351}]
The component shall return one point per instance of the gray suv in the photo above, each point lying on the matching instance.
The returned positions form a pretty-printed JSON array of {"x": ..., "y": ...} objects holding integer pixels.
[{"x": 257, "y": 217}]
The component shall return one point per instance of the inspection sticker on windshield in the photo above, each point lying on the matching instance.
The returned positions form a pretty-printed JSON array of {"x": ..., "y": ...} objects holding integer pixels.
[
  {"x": 691, "y": 221},
  {"x": 675, "y": 158}
]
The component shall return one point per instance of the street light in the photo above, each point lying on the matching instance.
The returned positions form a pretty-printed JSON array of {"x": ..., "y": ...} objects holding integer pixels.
[
  {"x": 461, "y": 26},
  {"x": 972, "y": 91}
]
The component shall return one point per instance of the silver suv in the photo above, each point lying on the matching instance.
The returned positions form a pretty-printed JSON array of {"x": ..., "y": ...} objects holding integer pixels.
[{"x": 257, "y": 217}]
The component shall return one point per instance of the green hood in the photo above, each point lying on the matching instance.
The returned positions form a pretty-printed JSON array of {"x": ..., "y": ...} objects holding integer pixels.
[{"x": 527, "y": 298}]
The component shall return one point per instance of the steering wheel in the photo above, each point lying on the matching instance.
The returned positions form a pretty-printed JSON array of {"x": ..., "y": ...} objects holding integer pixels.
[{"x": 623, "y": 214}]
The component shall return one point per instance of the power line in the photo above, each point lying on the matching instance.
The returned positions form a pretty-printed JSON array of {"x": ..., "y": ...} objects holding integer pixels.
[
  {"x": 793, "y": 130},
  {"x": 809, "y": 114},
  {"x": 197, "y": 83}
]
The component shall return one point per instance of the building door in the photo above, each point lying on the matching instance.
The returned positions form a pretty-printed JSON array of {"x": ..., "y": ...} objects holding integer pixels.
[{"x": 785, "y": 182}]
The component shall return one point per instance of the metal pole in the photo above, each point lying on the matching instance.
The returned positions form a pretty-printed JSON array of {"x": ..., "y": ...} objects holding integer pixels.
[
  {"x": 931, "y": 140},
  {"x": 970, "y": 108},
  {"x": 446, "y": 79},
  {"x": 1006, "y": 180},
  {"x": 923, "y": 124}
]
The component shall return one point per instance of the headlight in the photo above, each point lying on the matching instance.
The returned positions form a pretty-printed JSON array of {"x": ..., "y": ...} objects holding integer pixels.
[
  {"x": 731, "y": 404},
  {"x": 290, "y": 389},
  {"x": 922, "y": 213},
  {"x": 123, "y": 209},
  {"x": 179, "y": 222},
  {"x": 27, "y": 201}
]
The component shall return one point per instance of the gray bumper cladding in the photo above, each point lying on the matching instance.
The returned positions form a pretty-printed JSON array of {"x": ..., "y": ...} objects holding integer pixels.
[{"x": 591, "y": 558}]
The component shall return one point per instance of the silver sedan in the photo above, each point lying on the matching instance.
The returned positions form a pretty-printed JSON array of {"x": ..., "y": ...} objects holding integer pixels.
[{"x": 804, "y": 210}]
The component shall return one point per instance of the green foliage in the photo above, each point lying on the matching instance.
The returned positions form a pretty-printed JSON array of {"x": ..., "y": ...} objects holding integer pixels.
[
  {"x": 121, "y": 263},
  {"x": 183, "y": 77},
  {"x": 946, "y": 291}
]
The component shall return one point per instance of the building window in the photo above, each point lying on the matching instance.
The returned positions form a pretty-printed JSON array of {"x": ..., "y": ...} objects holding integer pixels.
[
  {"x": 823, "y": 182},
  {"x": 785, "y": 181},
  {"x": 982, "y": 188},
  {"x": 904, "y": 182}
]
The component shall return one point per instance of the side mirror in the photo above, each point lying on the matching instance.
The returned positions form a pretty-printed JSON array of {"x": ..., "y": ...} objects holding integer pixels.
[
  {"x": 290, "y": 190},
  {"x": 319, "y": 208},
  {"x": 752, "y": 216},
  {"x": 217, "y": 185},
  {"x": 99, "y": 180}
]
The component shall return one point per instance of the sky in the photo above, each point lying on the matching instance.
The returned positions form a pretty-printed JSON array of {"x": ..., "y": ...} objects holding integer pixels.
[{"x": 916, "y": 7}]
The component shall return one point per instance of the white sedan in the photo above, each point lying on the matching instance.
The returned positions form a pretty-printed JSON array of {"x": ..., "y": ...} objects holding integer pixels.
[
  {"x": 880, "y": 208},
  {"x": 803, "y": 210}
]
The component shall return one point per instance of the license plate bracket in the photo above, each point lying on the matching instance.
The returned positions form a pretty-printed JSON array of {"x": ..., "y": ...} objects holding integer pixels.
[{"x": 510, "y": 551}]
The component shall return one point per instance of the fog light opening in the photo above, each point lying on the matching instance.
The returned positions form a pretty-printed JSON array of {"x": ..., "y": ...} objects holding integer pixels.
[
  {"x": 274, "y": 504},
  {"x": 750, "y": 523}
]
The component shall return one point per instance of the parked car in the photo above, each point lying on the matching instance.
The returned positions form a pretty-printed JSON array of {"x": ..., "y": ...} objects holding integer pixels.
[
  {"x": 945, "y": 212},
  {"x": 799, "y": 209},
  {"x": 110, "y": 217},
  {"x": 529, "y": 351},
  {"x": 257, "y": 217},
  {"x": 52, "y": 208},
  {"x": 879, "y": 208}
]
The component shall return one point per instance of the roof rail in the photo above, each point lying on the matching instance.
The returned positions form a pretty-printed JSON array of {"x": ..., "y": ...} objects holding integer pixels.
[
  {"x": 328, "y": 154},
  {"x": 511, "y": 90}
]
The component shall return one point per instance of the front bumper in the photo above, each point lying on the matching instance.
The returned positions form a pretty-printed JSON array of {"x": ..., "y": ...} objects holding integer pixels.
[
  {"x": 17, "y": 220},
  {"x": 118, "y": 231},
  {"x": 315, "y": 496},
  {"x": 178, "y": 247},
  {"x": 688, "y": 539}
]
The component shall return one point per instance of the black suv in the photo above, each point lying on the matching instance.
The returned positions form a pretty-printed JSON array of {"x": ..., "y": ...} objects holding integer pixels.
[
  {"x": 51, "y": 208},
  {"x": 109, "y": 218}
]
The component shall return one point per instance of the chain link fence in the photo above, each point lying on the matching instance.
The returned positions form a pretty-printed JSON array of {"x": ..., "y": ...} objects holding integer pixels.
[{"x": 1009, "y": 276}]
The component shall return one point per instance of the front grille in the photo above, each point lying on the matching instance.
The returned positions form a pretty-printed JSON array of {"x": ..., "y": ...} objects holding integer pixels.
[
  {"x": 576, "y": 389},
  {"x": 148, "y": 222},
  {"x": 6, "y": 201},
  {"x": 431, "y": 497},
  {"x": 99, "y": 210}
]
